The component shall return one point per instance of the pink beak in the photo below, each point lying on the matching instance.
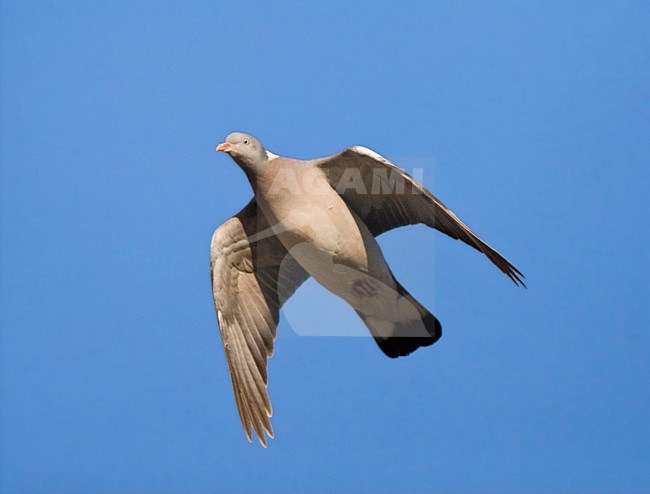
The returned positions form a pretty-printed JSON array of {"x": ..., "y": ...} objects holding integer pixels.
[{"x": 224, "y": 146}]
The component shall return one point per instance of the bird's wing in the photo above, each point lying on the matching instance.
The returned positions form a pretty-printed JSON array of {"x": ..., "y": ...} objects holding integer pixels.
[
  {"x": 386, "y": 197},
  {"x": 252, "y": 275}
]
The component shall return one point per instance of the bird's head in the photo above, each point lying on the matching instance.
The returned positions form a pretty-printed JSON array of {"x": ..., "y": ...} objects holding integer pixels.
[{"x": 247, "y": 151}]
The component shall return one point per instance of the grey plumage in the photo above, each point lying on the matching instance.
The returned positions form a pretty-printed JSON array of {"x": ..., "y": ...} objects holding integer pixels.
[{"x": 319, "y": 218}]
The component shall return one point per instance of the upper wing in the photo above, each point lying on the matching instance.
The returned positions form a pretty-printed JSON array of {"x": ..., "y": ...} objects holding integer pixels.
[
  {"x": 252, "y": 275},
  {"x": 386, "y": 197}
]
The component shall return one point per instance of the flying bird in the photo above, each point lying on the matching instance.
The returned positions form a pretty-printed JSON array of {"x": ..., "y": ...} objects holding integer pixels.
[{"x": 319, "y": 218}]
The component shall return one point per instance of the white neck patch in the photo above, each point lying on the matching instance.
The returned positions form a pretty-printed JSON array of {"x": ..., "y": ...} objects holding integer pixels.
[{"x": 270, "y": 155}]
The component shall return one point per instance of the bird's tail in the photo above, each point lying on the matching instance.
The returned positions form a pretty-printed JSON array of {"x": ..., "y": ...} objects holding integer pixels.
[{"x": 407, "y": 331}]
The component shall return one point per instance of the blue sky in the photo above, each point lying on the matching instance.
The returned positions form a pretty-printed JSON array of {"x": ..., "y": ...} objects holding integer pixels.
[{"x": 531, "y": 121}]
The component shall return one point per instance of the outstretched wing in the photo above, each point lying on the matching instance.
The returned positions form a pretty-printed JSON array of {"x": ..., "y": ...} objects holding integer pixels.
[
  {"x": 252, "y": 276},
  {"x": 386, "y": 197}
]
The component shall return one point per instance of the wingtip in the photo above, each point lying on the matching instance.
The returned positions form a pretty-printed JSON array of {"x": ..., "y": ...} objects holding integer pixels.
[
  {"x": 269, "y": 432},
  {"x": 514, "y": 274},
  {"x": 520, "y": 278},
  {"x": 262, "y": 438},
  {"x": 517, "y": 279}
]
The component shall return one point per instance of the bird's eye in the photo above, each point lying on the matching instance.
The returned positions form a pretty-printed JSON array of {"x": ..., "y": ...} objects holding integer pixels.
[{"x": 245, "y": 141}]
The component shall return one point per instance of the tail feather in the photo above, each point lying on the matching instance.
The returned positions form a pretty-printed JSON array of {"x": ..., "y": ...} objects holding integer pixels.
[{"x": 407, "y": 335}]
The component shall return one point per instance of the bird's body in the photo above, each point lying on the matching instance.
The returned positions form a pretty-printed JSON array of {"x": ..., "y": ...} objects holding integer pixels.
[
  {"x": 319, "y": 218},
  {"x": 325, "y": 236}
]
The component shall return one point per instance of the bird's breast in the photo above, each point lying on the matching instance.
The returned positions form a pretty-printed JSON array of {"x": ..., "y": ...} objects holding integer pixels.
[{"x": 323, "y": 222}]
